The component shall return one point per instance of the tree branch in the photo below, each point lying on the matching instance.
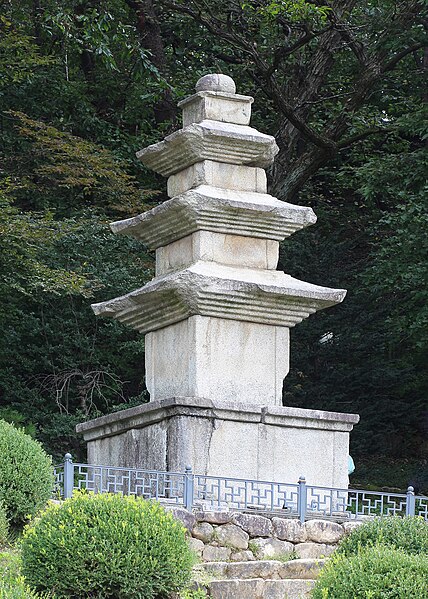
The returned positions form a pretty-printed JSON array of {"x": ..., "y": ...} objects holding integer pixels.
[
  {"x": 321, "y": 100},
  {"x": 353, "y": 139},
  {"x": 270, "y": 85},
  {"x": 285, "y": 51},
  {"x": 295, "y": 90},
  {"x": 391, "y": 64},
  {"x": 288, "y": 111},
  {"x": 357, "y": 47}
]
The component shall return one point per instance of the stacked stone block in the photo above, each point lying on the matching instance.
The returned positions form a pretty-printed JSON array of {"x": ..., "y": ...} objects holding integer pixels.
[
  {"x": 245, "y": 555},
  {"x": 217, "y": 307},
  {"x": 238, "y": 536}
]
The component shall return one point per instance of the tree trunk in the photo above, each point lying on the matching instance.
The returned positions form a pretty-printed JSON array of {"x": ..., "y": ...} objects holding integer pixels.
[{"x": 151, "y": 39}]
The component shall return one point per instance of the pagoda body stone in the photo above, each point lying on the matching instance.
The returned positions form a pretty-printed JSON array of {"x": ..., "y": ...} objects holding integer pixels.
[{"x": 217, "y": 314}]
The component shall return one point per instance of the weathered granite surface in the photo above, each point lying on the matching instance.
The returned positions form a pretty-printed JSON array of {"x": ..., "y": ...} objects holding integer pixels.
[
  {"x": 225, "y": 439},
  {"x": 218, "y": 175},
  {"x": 259, "y": 588},
  {"x": 215, "y": 82},
  {"x": 223, "y": 248},
  {"x": 217, "y": 316},
  {"x": 210, "y": 140},
  {"x": 235, "y": 533},
  {"x": 270, "y": 567},
  {"x": 208, "y": 208},
  {"x": 222, "y": 291},
  {"x": 224, "y": 372},
  {"x": 224, "y": 106},
  {"x": 249, "y": 546}
]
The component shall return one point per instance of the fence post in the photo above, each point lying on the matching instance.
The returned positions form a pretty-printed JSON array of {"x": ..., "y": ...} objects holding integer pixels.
[
  {"x": 302, "y": 499},
  {"x": 410, "y": 502},
  {"x": 188, "y": 488},
  {"x": 68, "y": 476}
]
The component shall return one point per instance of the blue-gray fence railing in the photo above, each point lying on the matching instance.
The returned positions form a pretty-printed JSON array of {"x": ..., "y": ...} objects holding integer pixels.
[{"x": 190, "y": 490}]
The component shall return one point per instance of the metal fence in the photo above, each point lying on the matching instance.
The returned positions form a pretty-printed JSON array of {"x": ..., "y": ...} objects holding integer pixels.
[{"x": 190, "y": 490}]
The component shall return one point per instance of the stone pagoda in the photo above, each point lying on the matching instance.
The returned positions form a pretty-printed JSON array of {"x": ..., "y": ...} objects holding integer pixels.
[{"x": 217, "y": 315}]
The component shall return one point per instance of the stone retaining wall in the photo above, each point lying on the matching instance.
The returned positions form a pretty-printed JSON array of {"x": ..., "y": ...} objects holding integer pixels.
[{"x": 238, "y": 536}]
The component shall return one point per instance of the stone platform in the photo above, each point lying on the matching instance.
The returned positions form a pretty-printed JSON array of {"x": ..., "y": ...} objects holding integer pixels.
[{"x": 226, "y": 439}]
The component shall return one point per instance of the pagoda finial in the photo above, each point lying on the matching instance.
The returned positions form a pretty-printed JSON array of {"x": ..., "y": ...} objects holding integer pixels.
[{"x": 216, "y": 82}]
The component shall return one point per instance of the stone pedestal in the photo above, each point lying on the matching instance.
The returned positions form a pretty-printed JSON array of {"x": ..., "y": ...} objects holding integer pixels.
[
  {"x": 226, "y": 439},
  {"x": 217, "y": 314}
]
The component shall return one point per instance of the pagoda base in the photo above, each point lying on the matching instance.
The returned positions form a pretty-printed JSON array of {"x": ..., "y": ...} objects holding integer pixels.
[{"x": 277, "y": 444}]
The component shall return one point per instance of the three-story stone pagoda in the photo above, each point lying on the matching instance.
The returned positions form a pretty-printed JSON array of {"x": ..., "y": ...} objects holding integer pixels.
[{"x": 217, "y": 315}]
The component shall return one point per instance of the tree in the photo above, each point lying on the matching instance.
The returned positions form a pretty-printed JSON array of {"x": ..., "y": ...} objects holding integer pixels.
[
  {"x": 83, "y": 85},
  {"x": 58, "y": 365},
  {"x": 319, "y": 65},
  {"x": 369, "y": 354}
]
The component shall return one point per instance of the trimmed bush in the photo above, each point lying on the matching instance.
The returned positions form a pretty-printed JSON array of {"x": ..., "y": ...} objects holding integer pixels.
[
  {"x": 26, "y": 474},
  {"x": 12, "y": 584},
  {"x": 376, "y": 572},
  {"x": 106, "y": 545},
  {"x": 4, "y": 526},
  {"x": 409, "y": 534}
]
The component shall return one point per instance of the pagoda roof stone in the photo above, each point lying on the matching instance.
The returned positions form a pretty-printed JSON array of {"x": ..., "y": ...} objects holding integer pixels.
[
  {"x": 220, "y": 210},
  {"x": 210, "y": 289},
  {"x": 210, "y": 140}
]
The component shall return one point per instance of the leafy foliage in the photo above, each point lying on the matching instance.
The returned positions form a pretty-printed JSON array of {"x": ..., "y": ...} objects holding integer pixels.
[
  {"x": 26, "y": 474},
  {"x": 19, "y": 55},
  {"x": 384, "y": 557},
  {"x": 113, "y": 546},
  {"x": 57, "y": 364},
  {"x": 369, "y": 239},
  {"x": 377, "y": 572},
  {"x": 24, "y": 239},
  {"x": 341, "y": 86},
  {"x": 12, "y": 583},
  {"x": 297, "y": 11},
  {"x": 88, "y": 173},
  {"x": 193, "y": 594},
  {"x": 409, "y": 534},
  {"x": 4, "y": 526}
]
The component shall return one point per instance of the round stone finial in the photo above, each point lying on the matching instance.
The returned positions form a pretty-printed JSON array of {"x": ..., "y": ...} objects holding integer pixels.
[{"x": 216, "y": 82}]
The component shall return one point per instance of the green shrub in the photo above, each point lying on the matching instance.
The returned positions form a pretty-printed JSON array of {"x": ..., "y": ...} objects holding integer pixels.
[
  {"x": 106, "y": 546},
  {"x": 376, "y": 572},
  {"x": 12, "y": 584},
  {"x": 26, "y": 474},
  {"x": 409, "y": 534},
  {"x": 4, "y": 526}
]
